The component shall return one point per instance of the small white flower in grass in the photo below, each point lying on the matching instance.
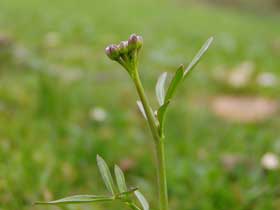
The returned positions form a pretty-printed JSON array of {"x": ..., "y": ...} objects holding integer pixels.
[
  {"x": 270, "y": 161},
  {"x": 98, "y": 114},
  {"x": 267, "y": 79},
  {"x": 52, "y": 39},
  {"x": 241, "y": 75}
]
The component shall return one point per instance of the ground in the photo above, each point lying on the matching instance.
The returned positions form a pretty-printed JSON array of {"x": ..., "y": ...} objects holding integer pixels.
[{"x": 62, "y": 101}]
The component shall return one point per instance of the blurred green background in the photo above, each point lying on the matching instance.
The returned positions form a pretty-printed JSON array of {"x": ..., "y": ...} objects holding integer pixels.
[{"x": 62, "y": 101}]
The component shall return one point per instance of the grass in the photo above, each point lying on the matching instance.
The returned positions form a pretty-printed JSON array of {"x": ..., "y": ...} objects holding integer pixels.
[{"x": 58, "y": 72}]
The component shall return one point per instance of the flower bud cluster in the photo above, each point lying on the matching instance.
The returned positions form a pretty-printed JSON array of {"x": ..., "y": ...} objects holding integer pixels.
[{"x": 126, "y": 52}]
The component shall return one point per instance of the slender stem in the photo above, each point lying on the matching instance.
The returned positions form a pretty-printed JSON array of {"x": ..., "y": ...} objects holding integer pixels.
[
  {"x": 159, "y": 144},
  {"x": 133, "y": 206},
  {"x": 161, "y": 174},
  {"x": 146, "y": 106}
]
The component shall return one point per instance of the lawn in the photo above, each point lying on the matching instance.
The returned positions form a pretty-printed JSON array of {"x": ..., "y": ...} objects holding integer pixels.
[{"x": 55, "y": 80}]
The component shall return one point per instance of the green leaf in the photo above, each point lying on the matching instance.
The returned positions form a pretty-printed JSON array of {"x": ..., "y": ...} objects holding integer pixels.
[
  {"x": 120, "y": 179},
  {"x": 106, "y": 175},
  {"x": 141, "y": 108},
  {"x": 130, "y": 191},
  {"x": 142, "y": 200},
  {"x": 160, "y": 89},
  {"x": 174, "y": 83},
  {"x": 161, "y": 116},
  {"x": 75, "y": 199},
  {"x": 133, "y": 206},
  {"x": 199, "y": 55}
]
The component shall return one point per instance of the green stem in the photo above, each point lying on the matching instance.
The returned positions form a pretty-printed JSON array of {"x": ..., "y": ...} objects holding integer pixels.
[
  {"x": 159, "y": 144},
  {"x": 133, "y": 206},
  {"x": 161, "y": 174},
  {"x": 146, "y": 106}
]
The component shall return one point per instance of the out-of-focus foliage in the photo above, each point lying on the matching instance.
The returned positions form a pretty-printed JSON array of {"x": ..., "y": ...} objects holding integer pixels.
[
  {"x": 62, "y": 102},
  {"x": 259, "y": 6}
]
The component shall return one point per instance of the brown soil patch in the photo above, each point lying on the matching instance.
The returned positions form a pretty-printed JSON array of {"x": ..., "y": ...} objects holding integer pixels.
[{"x": 244, "y": 108}]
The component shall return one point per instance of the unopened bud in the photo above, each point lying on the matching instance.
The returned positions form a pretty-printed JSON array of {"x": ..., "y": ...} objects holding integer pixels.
[
  {"x": 132, "y": 42},
  {"x": 123, "y": 46},
  {"x": 113, "y": 51},
  {"x": 139, "y": 42}
]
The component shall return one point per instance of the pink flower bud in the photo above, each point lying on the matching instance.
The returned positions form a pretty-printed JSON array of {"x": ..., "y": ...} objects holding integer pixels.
[
  {"x": 139, "y": 41},
  {"x": 132, "y": 42},
  {"x": 113, "y": 52},
  {"x": 123, "y": 46}
]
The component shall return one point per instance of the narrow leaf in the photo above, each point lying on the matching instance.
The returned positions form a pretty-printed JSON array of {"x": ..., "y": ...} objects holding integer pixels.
[
  {"x": 160, "y": 91},
  {"x": 120, "y": 179},
  {"x": 106, "y": 175},
  {"x": 133, "y": 206},
  {"x": 174, "y": 83},
  {"x": 130, "y": 191},
  {"x": 142, "y": 200},
  {"x": 77, "y": 199},
  {"x": 199, "y": 55},
  {"x": 141, "y": 108},
  {"x": 161, "y": 116}
]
